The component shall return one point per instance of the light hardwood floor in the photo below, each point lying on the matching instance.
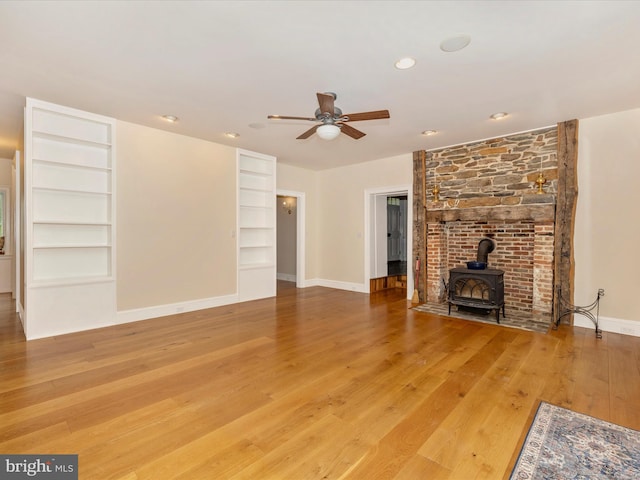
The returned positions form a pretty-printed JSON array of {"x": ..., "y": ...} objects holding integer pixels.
[{"x": 314, "y": 384}]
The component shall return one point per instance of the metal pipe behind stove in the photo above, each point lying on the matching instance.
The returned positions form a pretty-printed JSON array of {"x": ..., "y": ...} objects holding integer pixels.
[{"x": 485, "y": 247}]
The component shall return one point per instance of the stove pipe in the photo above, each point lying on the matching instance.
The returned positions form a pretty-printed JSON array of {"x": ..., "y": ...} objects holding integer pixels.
[{"x": 485, "y": 247}]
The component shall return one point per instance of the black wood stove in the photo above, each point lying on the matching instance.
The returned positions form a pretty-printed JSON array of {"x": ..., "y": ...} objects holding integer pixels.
[{"x": 478, "y": 287}]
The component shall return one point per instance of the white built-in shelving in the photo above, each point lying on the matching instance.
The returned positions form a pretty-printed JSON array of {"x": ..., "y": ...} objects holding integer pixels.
[
  {"x": 70, "y": 204},
  {"x": 256, "y": 225}
]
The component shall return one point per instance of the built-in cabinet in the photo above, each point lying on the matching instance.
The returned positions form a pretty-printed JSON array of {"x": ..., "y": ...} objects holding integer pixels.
[
  {"x": 69, "y": 219},
  {"x": 256, "y": 225}
]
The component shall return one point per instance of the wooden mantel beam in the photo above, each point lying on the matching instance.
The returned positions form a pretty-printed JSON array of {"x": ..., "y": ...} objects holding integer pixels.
[{"x": 533, "y": 213}]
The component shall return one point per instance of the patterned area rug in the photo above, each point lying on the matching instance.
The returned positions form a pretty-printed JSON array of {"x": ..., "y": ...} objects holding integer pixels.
[
  {"x": 514, "y": 320},
  {"x": 562, "y": 444}
]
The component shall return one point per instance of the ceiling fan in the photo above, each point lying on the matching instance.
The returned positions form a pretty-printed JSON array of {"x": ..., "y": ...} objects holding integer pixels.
[{"x": 332, "y": 120}]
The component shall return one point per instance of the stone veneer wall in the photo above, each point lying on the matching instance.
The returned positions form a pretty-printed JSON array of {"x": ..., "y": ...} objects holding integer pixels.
[
  {"x": 496, "y": 172},
  {"x": 487, "y": 178}
]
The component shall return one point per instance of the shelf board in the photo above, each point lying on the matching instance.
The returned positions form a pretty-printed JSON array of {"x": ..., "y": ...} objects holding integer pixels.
[
  {"x": 69, "y": 190},
  {"x": 68, "y": 246},
  {"x": 70, "y": 165},
  {"x": 60, "y": 282},
  {"x": 256, "y": 189},
  {"x": 251, "y": 266},
  {"x": 255, "y": 227},
  {"x": 71, "y": 224},
  {"x": 257, "y": 207},
  {"x": 65, "y": 139},
  {"x": 255, "y": 173}
]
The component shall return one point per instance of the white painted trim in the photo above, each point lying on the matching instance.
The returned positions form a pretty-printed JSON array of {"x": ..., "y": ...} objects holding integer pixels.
[
  {"x": 136, "y": 314},
  {"x": 312, "y": 282},
  {"x": 369, "y": 196},
  {"x": 301, "y": 240},
  {"x": 7, "y": 215},
  {"x": 17, "y": 262},
  {"x": 20, "y": 311},
  {"x": 249, "y": 153},
  {"x": 287, "y": 277},
  {"x": 353, "y": 287},
  {"x": 608, "y": 324}
]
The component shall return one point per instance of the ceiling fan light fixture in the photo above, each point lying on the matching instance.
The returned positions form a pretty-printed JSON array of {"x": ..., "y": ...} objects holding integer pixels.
[{"x": 328, "y": 131}]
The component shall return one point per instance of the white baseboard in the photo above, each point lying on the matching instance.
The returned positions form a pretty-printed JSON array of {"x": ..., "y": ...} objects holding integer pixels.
[
  {"x": 353, "y": 287},
  {"x": 607, "y": 324},
  {"x": 287, "y": 277},
  {"x": 134, "y": 315}
]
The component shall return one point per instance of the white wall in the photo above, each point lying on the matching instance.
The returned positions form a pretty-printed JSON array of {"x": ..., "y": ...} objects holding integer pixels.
[
  {"x": 607, "y": 220},
  {"x": 176, "y": 218},
  {"x": 305, "y": 181},
  {"x": 341, "y": 220}
]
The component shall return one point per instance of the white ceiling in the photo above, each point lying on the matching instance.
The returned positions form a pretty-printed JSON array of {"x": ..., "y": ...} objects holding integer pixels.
[{"x": 222, "y": 66}]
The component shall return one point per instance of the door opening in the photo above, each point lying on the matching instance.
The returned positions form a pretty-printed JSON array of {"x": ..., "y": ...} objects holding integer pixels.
[
  {"x": 388, "y": 238},
  {"x": 290, "y": 237},
  {"x": 397, "y": 235}
]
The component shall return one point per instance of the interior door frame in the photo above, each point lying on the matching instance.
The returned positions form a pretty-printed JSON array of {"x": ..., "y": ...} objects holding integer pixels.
[
  {"x": 17, "y": 184},
  {"x": 370, "y": 195},
  {"x": 300, "y": 233}
]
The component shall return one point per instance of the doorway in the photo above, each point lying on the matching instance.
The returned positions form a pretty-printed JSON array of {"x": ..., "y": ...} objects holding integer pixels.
[
  {"x": 397, "y": 235},
  {"x": 388, "y": 238},
  {"x": 290, "y": 237}
]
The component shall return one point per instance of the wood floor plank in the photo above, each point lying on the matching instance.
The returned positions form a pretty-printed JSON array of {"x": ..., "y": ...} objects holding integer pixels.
[
  {"x": 454, "y": 442},
  {"x": 327, "y": 449},
  {"x": 406, "y": 438},
  {"x": 419, "y": 467},
  {"x": 486, "y": 456},
  {"x": 314, "y": 383},
  {"x": 624, "y": 361}
]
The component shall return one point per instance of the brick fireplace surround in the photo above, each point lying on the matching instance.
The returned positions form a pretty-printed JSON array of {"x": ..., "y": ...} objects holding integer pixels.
[
  {"x": 524, "y": 250},
  {"x": 487, "y": 189}
]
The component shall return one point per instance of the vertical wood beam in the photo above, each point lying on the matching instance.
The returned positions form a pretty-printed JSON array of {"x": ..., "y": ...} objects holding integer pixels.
[
  {"x": 563, "y": 278},
  {"x": 419, "y": 222}
]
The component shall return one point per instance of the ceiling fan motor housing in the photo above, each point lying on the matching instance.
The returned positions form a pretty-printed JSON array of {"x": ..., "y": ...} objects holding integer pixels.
[{"x": 326, "y": 117}]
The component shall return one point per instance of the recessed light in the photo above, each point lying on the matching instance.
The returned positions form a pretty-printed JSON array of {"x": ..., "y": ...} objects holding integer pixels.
[
  {"x": 499, "y": 116},
  {"x": 232, "y": 135},
  {"x": 428, "y": 133},
  {"x": 170, "y": 118},
  {"x": 405, "y": 63},
  {"x": 453, "y": 44}
]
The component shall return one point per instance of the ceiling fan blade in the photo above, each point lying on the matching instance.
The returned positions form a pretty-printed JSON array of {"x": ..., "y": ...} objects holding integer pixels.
[
  {"x": 352, "y": 132},
  {"x": 308, "y": 133},
  {"x": 356, "y": 117},
  {"x": 284, "y": 117},
  {"x": 326, "y": 103}
]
